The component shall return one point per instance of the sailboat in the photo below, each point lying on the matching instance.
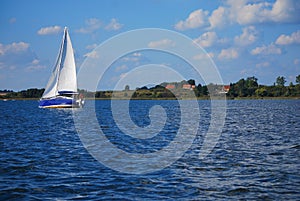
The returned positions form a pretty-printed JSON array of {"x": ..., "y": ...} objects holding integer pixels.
[{"x": 61, "y": 90}]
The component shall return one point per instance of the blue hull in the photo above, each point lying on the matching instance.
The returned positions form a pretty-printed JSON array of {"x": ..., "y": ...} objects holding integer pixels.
[{"x": 59, "y": 102}]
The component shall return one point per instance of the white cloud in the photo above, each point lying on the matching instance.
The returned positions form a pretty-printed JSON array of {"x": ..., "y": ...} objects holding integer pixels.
[
  {"x": 137, "y": 54},
  {"x": 245, "y": 13},
  {"x": 35, "y": 62},
  {"x": 285, "y": 11},
  {"x": 135, "y": 57},
  {"x": 92, "y": 25},
  {"x": 207, "y": 39},
  {"x": 248, "y": 36},
  {"x": 130, "y": 59},
  {"x": 266, "y": 50},
  {"x": 19, "y": 56},
  {"x": 219, "y": 18},
  {"x": 13, "y": 48},
  {"x": 263, "y": 64},
  {"x": 92, "y": 54},
  {"x": 12, "y": 67},
  {"x": 49, "y": 30},
  {"x": 230, "y": 53},
  {"x": 113, "y": 25},
  {"x": 121, "y": 68},
  {"x": 197, "y": 18},
  {"x": 2, "y": 65},
  {"x": 211, "y": 54},
  {"x": 297, "y": 61},
  {"x": 12, "y": 20},
  {"x": 91, "y": 47},
  {"x": 35, "y": 65},
  {"x": 294, "y": 38},
  {"x": 123, "y": 75},
  {"x": 164, "y": 43},
  {"x": 203, "y": 56}
]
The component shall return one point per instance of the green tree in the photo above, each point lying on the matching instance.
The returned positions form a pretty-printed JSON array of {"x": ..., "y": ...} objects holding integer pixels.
[
  {"x": 205, "y": 90},
  {"x": 241, "y": 88},
  {"x": 127, "y": 88},
  {"x": 280, "y": 81},
  {"x": 261, "y": 92},
  {"x": 298, "y": 79},
  {"x": 251, "y": 82},
  {"x": 191, "y": 82},
  {"x": 201, "y": 90},
  {"x": 251, "y": 85}
]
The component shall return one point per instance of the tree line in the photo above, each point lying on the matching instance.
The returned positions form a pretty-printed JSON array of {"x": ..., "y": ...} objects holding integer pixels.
[
  {"x": 244, "y": 88},
  {"x": 250, "y": 88},
  {"x": 29, "y": 93}
]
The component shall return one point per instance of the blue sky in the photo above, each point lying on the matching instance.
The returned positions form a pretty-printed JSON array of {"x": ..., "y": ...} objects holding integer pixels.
[{"x": 244, "y": 38}]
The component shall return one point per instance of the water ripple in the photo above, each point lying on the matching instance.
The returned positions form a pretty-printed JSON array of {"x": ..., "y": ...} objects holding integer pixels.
[{"x": 256, "y": 158}]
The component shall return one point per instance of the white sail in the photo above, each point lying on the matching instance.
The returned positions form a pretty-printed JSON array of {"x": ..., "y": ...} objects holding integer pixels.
[
  {"x": 67, "y": 78},
  {"x": 63, "y": 78}
]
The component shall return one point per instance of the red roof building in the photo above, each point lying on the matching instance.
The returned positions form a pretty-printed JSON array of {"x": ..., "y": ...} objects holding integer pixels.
[
  {"x": 226, "y": 88},
  {"x": 188, "y": 86},
  {"x": 170, "y": 86}
]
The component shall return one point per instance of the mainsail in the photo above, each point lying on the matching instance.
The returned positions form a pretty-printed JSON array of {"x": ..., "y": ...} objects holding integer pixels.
[{"x": 63, "y": 78}]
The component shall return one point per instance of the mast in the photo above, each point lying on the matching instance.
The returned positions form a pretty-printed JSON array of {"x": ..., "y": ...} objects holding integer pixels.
[{"x": 59, "y": 60}]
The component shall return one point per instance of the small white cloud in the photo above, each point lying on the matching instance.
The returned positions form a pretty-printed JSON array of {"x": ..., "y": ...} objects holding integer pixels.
[
  {"x": 248, "y": 36},
  {"x": 2, "y": 65},
  {"x": 197, "y": 18},
  {"x": 266, "y": 50},
  {"x": 35, "y": 62},
  {"x": 263, "y": 64},
  {"x": 203, "y": 56},
  {"x": 13, "y": 48},
  {"x": 207, "y": 39},
  {"x": 113, "y": 25},
  {"x": 212, "y": 55},
  {"x": 35, "y": 65},
  {"x": 121, "y": 68},
  {"x": 294, "y": 38},
  {"x": 123, "y": 75},
  {"x": 137, "y": 54},
  {"x": 91, "y": 47},
  {"x": 135, "y": 57},
  {"x": 164, "y": 43},
  {"x": 12, "y": 20},
  {"x": 92, "y": 54},
  {"x": 12, "y": 67},
  {"x": 130, "y": 59},
  {"x": 49, "y": 30},
  {"x": 230, "y": 53},
  {"x": 91, "y": 25},
  {"x": 297, "y": 61}
]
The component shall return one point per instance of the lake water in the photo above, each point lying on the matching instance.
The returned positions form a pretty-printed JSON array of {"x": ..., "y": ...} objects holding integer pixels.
[{"x": 256, "y": 158}]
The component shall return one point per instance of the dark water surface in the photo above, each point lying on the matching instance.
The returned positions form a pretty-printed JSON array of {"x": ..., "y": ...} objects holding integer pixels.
[{"x": 257, "y": 156}]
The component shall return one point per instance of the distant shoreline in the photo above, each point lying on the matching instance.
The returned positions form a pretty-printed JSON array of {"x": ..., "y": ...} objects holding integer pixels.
[
  {"x": 244, "y": 89},
  {"x": 201, "y": 98}
]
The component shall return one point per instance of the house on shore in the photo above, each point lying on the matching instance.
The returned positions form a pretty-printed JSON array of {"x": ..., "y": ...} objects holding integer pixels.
[{"x": 188, "y": 86}]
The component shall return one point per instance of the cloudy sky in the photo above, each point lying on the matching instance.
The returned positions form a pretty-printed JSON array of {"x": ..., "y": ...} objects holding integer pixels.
[{"x": 244, "y": 38}]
